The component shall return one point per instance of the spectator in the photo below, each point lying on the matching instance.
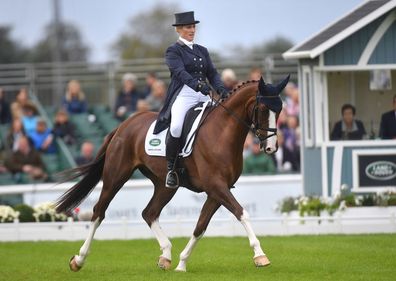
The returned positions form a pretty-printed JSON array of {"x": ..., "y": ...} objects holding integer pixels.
[
  {"x": 5, "y": 110},
  {"x": 255, "y": 73},
  {"x": 388, "y": 123},
  {"x": 128, "y": 97},
  {"x": 156, "y": 98},
  {"x": 229, "y": 79},
  {"x": 16, "y": 131},
  {"x": 74, "y": 99},
  {"x": 63, "y": 128},
  {"x": 3, "y": 168},
  {"x": 25, "y": 160},
  {"x": 286, "y": 160},
  {"x": 21, "y": 99},
  {"x": 29, "y": 118},
  {"x": 142, "y": 106},
  {"x": 292, "y": 99},
  {"x": 43, "y": 138},
  {"x": 87, "y": 153},
  {"x": 282, "y": 119},
  {"x": 247, "y": 146},
  {"x": 258, "y": 162},
  {"x": 151, "y": 78},
  {"x": 348, "y": 128},
  {"x": 291, "y": 134}
]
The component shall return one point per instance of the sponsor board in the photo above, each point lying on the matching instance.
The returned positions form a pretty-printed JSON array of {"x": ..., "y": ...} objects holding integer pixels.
[{"x": 374, "y": 169}]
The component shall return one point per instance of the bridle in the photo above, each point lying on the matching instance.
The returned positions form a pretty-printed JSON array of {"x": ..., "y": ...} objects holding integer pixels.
[
  {"x": 256, "y": 129},
  {"x": 255, "y": 126}
]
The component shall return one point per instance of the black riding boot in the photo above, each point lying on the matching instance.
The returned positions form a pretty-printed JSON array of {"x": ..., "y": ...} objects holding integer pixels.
[{"x": 172, "y": 153}]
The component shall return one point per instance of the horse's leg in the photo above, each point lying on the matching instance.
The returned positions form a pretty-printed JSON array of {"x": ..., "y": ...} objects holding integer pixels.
[
  {"x": 224, "y": 196},
  {"x": 115, "y": 173},
  {"x": 151, "y": 213},
  {"x": 208, "y": 210}
]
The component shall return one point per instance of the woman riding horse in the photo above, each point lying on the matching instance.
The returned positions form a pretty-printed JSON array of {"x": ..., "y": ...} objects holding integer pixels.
[
  {"x": 214, "y": 165},
  {"x": 190, "y": 66}
]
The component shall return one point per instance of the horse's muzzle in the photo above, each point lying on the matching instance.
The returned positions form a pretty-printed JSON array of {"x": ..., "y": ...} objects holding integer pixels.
[{"x": 269, "y": 146}]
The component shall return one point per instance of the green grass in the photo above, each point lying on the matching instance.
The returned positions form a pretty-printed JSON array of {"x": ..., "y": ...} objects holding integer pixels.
[{"x": 333, "y": 257}]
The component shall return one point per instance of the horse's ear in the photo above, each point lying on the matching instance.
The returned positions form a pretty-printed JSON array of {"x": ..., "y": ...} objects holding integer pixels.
[
  {"x": 262, "y": 85},
  {"x": 281, "y": 85}
]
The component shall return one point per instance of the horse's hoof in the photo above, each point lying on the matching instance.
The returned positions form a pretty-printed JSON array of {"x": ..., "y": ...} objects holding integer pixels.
[
  {"x": 261, "y": 261},
  {"x": 73, "y": 264},
  {"x": 180, "y": 269},
  {"x": 164, "y": 263}
]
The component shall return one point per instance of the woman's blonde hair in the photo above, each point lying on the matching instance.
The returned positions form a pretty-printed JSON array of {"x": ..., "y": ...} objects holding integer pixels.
[{"x": 81, "y": 95}]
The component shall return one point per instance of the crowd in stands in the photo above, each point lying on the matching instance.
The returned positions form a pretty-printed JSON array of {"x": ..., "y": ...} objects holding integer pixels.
[{"x": 29, "y": 137}]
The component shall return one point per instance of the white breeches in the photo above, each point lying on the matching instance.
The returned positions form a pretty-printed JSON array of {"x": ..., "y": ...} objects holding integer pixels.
[{"x": 186, "y": 99}]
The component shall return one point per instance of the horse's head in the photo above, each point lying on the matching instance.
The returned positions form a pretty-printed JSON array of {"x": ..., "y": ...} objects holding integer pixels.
[{"x": 266, "y": 112}]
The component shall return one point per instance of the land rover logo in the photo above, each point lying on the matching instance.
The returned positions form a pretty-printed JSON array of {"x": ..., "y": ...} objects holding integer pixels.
[
  {"x": 155, "y": 142},
  {"x": 381, "y": 170}
]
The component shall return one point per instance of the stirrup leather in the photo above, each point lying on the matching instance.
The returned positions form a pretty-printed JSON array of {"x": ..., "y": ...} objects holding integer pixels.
[{"x": 172, "y": 179}]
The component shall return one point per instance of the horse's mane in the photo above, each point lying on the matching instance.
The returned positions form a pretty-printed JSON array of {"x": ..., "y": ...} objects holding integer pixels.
[{"x": 240, "y": 86}]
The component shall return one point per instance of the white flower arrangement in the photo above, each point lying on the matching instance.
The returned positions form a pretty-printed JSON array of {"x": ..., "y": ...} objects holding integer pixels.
[
  {"x": 8, "y": 214},
  {"x": 46, "y": 211}
]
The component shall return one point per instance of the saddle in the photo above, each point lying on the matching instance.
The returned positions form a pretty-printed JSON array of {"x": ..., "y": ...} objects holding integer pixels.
[{"x": 155, "y": 144}]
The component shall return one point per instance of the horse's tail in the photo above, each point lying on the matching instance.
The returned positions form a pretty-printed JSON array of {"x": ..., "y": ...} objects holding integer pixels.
[{"x": 91, "y": 173}]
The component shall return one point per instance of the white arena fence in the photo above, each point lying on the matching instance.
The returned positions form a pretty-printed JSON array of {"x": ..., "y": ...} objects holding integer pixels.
[{"x": 257, "y": 194}]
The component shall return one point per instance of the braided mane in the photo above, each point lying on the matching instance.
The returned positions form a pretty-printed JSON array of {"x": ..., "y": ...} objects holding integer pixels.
[{"x": 241, "y": 86}]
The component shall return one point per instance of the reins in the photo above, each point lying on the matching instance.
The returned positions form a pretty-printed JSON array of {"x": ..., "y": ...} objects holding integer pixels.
[{"x": 254, "y": 128}]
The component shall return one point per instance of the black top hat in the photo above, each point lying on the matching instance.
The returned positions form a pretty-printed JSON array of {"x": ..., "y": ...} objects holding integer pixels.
[{"x": 185, "y": 18}]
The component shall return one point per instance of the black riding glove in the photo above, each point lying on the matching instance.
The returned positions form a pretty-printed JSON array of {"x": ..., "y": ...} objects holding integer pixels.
[{"x": 223, "y": 93}]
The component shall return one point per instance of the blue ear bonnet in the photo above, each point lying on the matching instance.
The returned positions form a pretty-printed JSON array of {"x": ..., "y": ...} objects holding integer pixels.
[{"x": 269, "y": 94}]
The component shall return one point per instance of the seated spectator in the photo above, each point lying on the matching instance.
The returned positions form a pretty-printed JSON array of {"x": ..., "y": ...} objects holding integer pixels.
[
  {"x": 16, "y": 131},
  {"x": 63, "y": 128},
  {"x": 128, "y": 97},
  {"x": 348, "y": 128},
  {"x": 157, "y": 95},
  {"x": 3, "y": 168},
  {"x": 258, "y": 162},
  {"x": 292, "y": 99},
  {"x": 74, "y": 99},
  {"x": 255, "y": 74},
  {"x": 388, "y": 123},
  {"x": 86, "y": 154},
  {"x": 291, "y": 134},
  {"x": 29, "y": 118},
  {"x": 21, "y": 99},
  {"x": 142, "y": 106},
  {"x": 286, "y": 160},
  {"x": 151, "y": 78},
  {"x": 26, "y": 160},
  {"x": 282, "y": 119},
  {"x": 5, "y": 110},
  {"x": 247, "y": 145},
  {"x": 229, "y": 79},
  {"x": 42, "y": 138}
]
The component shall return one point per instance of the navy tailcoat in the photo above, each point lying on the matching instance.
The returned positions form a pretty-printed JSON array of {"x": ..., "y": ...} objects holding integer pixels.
[
  {"x": 187, "y": 67},
  {"x": 388, "y": 125}
]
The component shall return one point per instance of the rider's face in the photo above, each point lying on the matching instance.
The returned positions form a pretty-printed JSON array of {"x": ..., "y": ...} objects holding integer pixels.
[{"x": 186, "y": 32}]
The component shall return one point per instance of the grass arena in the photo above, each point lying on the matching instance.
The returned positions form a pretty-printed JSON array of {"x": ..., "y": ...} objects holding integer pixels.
[{"x": 327, "y": 257}]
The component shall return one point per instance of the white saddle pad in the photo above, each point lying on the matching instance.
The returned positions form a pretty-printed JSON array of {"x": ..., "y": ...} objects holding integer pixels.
[{"x": 155, "y": 144}]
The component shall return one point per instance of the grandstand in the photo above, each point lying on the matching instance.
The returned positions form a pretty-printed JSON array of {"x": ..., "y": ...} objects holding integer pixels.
[{"x": 101, "y": 83}]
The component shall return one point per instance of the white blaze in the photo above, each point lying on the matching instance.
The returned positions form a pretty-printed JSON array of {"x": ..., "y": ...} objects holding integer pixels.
[{"x": 271, "y": 141}]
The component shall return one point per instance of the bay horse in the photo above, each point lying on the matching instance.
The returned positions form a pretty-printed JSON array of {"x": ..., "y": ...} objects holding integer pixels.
[{"x": 213, "y": 167}]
